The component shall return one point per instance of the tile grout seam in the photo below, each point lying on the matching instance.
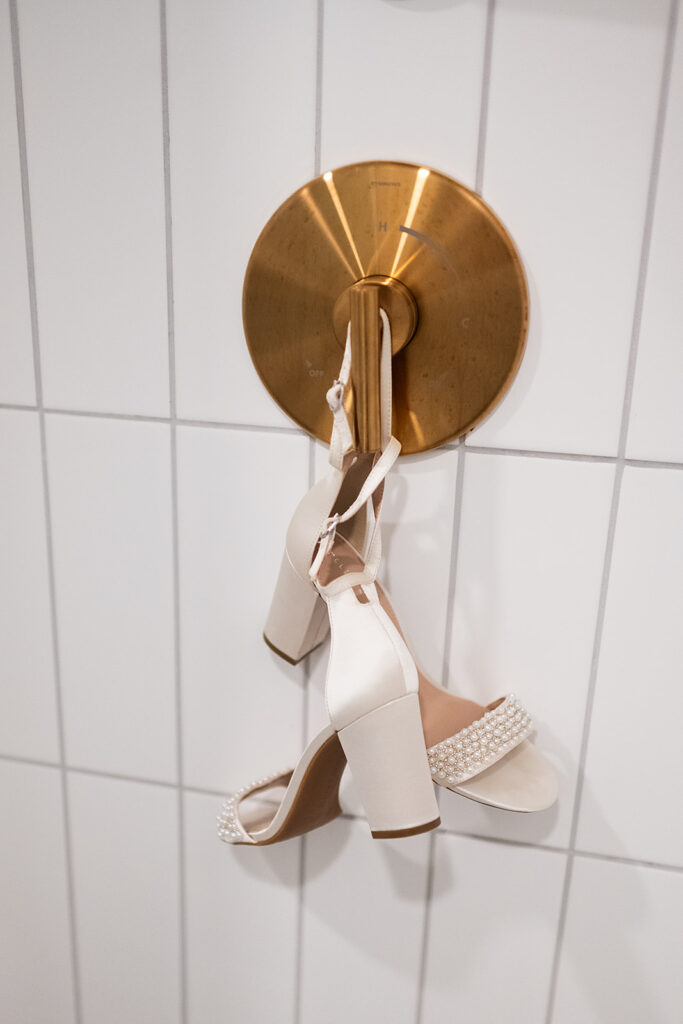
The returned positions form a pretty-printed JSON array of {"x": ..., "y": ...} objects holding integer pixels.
[
  {"x": 175, "y": 543},
  {"x": 528, "y": 453},
  {"x": 38, "y": 382},
  {"x": 457, "y": 517},
  {"x": 646, "y": 239},
  {"x": 484, "y": 98},
  {"x": 448, "y": 636},
  {"x": 303, "y": 845},
  {"x": 443, "y": 830}
]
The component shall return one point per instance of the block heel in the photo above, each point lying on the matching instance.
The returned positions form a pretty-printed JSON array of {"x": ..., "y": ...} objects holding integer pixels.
[
  {"x": 297, "y": 622},
  {"x": 385, "y": 751}
]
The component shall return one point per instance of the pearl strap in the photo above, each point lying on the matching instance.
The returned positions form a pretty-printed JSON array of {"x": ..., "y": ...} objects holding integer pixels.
[{"x": 481, "y": 744}]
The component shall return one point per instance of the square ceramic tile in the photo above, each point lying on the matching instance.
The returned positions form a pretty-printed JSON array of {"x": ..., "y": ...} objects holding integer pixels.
[
  {"x": 16, "y": 353},
  {"x": 656, "y": 425},
  {"x": 36, "y": 981},
  {"x": 362, "y": 925},
  {"x": 242, "y": 914},
  {"x": 622, "y": 944},
  {"x": 530, "y": 558},
  {"x": 242, "y": 704},
  {"x": 28, "y": 714},
  {"x": 110, "y": 493},
  {"x": 92, "y": 96},
  {"x": 634, "y": 784},
  {"x": 242, "y": 112},
  {"x": 492, "y": 926},
  {"x": 567, "y": 169},
  {"x": 402, "y": 81},
  {"x": 125, "y": 853}
]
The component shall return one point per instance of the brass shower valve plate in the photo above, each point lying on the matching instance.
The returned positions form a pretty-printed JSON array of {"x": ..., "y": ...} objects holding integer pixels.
[{"x": 448, "y": 275}]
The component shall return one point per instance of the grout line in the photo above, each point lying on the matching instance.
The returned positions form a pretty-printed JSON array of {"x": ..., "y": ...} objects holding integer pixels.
[
  {"x": 298, "y": 975},
  {"x": 319, "y": 37},
  {"x": 303, "y": 843},
  {"x": 634, "y": 862},
  {"x": 298, "y": 965},
  {"x": 455, "y": 547},
  {"x": 172, "y": 395},
  {"x": 17, "y": 407},
  {"x": 646, "y": 242},
  {"x": 502, "y": 841},
  {"x": 448, "y": 634},
  {"x": 652, "y": 464},
  {"x": 531, "y": 453},
  {"x": 257, "y": 427},
  {"x": 613, "y": 858},
  {"x": 93, "y": 414},
  {"x": 485, "y": 92},
  {"x": 457, "y": 517},
  {"x": 616, "y": 493},
  {"x": 528, "y": 453},
  {"x": 38, "y": 378}
]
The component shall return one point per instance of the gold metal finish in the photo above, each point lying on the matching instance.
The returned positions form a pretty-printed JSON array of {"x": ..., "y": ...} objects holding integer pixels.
[
  {"x": 444, "y": 261},
  {"x": 365, "y": 368},
  {"x": 394, "y": 298}
]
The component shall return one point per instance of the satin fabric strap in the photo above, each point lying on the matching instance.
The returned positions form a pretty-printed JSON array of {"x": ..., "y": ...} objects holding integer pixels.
[
  {"x": 373, "y": 480},
  {"x": 341, "y": 440}
]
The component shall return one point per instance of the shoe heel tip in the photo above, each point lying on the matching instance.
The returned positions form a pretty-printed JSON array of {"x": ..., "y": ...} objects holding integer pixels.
[
  {"x": 280, "y": 654},
  {"x": 398, "y": 833}
]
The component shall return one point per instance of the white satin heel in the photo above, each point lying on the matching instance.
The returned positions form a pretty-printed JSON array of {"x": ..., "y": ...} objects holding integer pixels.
[
  {"x": 385, "y": 751},
  {"x": 371, "y": 688},
  {"x": 297, "y": 622}
]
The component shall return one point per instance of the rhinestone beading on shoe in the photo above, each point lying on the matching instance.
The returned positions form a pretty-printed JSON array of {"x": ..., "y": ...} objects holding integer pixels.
[
  {"x": 230, "y": 828},
  {"x": 481, "y": 744}
]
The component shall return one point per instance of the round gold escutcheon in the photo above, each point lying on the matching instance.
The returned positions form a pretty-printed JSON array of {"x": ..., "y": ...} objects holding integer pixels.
[{"x": 449, "y": 276}]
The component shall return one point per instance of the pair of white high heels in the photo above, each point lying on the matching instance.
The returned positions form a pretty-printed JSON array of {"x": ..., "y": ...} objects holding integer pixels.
[{"x": 397, "y": 731}]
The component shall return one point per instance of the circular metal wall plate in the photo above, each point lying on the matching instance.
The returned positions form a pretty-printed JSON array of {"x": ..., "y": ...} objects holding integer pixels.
[{"x": 446, "y": 249}]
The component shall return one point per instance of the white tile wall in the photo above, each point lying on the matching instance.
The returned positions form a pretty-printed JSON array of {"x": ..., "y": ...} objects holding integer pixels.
[
  {"x": 16, "y": 354},
  {"x": 634, "y": 912},
  {"x": 242, "y": 910},
  {"x": 362, "y": 925},
  {"x": 28, "y": 713},
  {"x": 556, "y": 119},
  {"x": 92, "y": 93},
  {"x": 111, "y": 517},
  {"x": 634, "y": 781},
  {"x": 374, "y": 53},
  {"x": 491, "y": 931},
  {"x": 567, "y": 154},
  {"x": 242, "y": 704},
  {"x": 656, "y": 430},
  {"x": 238, "y": 148},
  {"x": 35, "y": 945},
  {"x": 525, "y": 610},
  {"x": 125, "y": 855}
]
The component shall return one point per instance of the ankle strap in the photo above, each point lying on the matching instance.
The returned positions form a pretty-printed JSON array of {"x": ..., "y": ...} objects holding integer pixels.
[
  {"x": 366, "y": 494},
  {"x": 342, "y": 440}
]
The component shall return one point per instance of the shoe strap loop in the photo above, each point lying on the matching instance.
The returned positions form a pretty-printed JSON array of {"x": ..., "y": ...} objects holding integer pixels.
[
  {"x": 341, "y": 440},
  {"x": 373, "y": 480}
]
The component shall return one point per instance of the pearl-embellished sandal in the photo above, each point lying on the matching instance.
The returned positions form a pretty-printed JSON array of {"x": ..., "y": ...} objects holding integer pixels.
[
  {"x": 518, "y": 778},
  {"x": 482, "y": 753},
  {"x": 371, "y": 685},
  {"x": 378, "y": 722}
]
